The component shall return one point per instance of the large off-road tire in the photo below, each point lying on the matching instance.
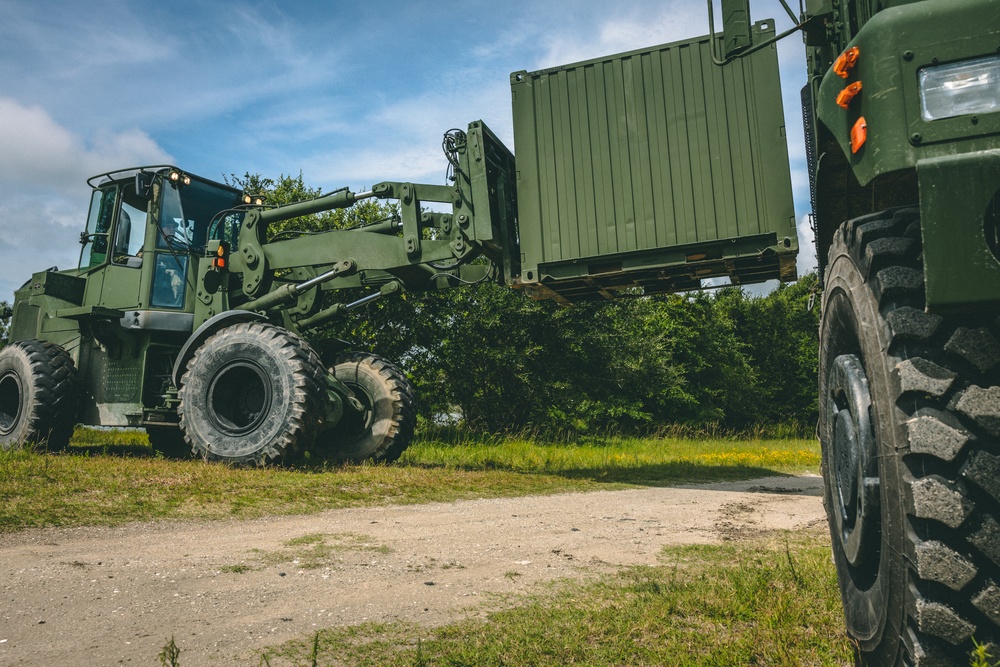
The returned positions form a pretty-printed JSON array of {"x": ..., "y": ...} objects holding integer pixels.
[
  {"x": 169, "y": 441},
  {"x": 910, "y": 428},
  {"x": 251, "y": 393},
  {"x": 37, "y": 395},
  {"x": 384, "y": 429}
]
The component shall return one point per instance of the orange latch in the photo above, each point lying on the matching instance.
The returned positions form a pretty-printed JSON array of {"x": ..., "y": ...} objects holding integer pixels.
[
  {"x": 847, "y": 94},
  {"x": 859, "y": 133},
  {"x": 846, "y": 61}
]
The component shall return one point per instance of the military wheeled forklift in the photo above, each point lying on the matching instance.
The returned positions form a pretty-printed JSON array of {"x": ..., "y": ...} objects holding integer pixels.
[{"x": 190, "y": 317}]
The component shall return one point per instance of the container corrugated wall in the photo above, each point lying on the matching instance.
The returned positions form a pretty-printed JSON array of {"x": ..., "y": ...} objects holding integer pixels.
[{"x": 626, "y": 157}]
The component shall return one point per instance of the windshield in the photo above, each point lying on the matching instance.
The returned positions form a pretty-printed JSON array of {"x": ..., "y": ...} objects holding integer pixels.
[{"x": 188, "y": 212}]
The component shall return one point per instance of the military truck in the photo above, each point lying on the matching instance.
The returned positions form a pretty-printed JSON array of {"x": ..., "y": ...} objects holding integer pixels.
[
  {"x": 902, "y": 140},
  {"x": 644, "y": 172}
]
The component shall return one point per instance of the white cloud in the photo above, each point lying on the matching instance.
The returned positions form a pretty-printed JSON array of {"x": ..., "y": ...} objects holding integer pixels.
[
  {"x": 43, "y": 193},
  {"x": 402, "y": 137},
  {"x": 33, "y": 146},
  {"x": 806, "y": 260},
  {"x": 37, "y": 150},
  {"x": 625, "y": 32}
]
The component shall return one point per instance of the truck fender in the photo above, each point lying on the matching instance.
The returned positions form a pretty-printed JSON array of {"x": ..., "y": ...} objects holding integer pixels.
[{"x": 211, "y": 325}]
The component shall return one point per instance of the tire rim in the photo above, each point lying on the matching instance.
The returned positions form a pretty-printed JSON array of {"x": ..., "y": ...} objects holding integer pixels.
[
  {"x": 354, "y": 425},
  {"x": 239, "y": 398},
  {"x": 10, "y": 402},
  {"x": 853, "y": 460}
]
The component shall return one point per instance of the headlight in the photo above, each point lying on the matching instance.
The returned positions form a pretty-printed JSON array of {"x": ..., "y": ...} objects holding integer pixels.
[{"x": 958, "y": 89}]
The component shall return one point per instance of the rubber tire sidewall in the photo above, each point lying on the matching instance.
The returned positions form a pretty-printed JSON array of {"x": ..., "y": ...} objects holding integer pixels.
[
  {"x": 47, "y": 425},
  {"x": 388, "y": 436},
  {"x": 876, "y": 616},
  {"x": 288, "y": 423},
  {"x": 15, "y": 367}
]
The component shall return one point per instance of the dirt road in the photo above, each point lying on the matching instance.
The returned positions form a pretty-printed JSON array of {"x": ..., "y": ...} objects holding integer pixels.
[{"x": 225, "y": 590}]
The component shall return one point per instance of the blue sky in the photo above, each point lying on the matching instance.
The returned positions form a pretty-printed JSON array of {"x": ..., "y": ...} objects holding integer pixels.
[{"x": 349, "y": 94}]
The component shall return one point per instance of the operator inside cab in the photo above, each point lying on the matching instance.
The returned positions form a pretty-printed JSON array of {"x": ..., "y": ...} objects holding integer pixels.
[{"x": 169, "y": 238}]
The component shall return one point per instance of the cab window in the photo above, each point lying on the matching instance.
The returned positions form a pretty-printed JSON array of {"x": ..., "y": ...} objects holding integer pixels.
[
  {"x": 169, "y": 280},
  {"x": 191, "y": 214},
  {"x": 188, "y": 215},
  {"x": 131, "y": 229},
  {"x": 95, "y": 239}
]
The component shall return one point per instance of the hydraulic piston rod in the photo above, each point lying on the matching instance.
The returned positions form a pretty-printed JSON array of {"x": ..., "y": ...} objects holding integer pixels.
[
  {"x": 339, "y": 309},
  {"x": 289, "y": 293},
  {"x": 339, "y": 199}
]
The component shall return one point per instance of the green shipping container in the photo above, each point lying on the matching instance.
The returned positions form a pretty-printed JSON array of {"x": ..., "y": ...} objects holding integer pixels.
[{"x": 651, "y": 171}]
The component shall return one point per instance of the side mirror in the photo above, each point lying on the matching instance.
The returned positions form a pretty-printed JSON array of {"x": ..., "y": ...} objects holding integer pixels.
[
  {"x": 143, "y": 183},
  {"x": 736, "y": 26}
]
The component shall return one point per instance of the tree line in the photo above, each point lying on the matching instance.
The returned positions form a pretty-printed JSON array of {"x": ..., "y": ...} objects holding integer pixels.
[{"x": 505, "y": 362}]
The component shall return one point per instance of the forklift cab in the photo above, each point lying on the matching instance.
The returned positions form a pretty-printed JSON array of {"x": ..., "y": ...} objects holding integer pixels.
[
  {"x": 111, "y": 256},
  {"x": 145, "y": 231}
]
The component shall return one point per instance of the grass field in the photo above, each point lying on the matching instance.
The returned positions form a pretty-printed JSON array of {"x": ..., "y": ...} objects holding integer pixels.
[{"x": 113, "y": 477}]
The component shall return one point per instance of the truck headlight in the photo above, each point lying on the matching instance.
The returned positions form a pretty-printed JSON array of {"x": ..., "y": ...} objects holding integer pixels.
[{"x": 958, "y": 89}]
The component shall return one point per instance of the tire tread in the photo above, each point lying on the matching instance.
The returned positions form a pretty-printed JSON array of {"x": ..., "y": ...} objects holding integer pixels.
[
  {"x": 404, "y": 414},
  {"x": 947, "y": 374},
  {"x": 309, "y": 381},
  {"x": 53, "y": 376}
]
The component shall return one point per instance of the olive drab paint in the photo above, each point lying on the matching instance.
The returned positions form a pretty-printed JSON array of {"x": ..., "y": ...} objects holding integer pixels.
[{"x": 653, "y": 170}]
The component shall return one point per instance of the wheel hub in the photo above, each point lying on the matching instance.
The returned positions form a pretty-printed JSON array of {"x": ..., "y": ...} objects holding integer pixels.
[
  {"x": 855, "y": 465},
  {"x": 360, "y": 416},
  {"x": 240, "y": 397},
  {"x": 10, "y": 402}
]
